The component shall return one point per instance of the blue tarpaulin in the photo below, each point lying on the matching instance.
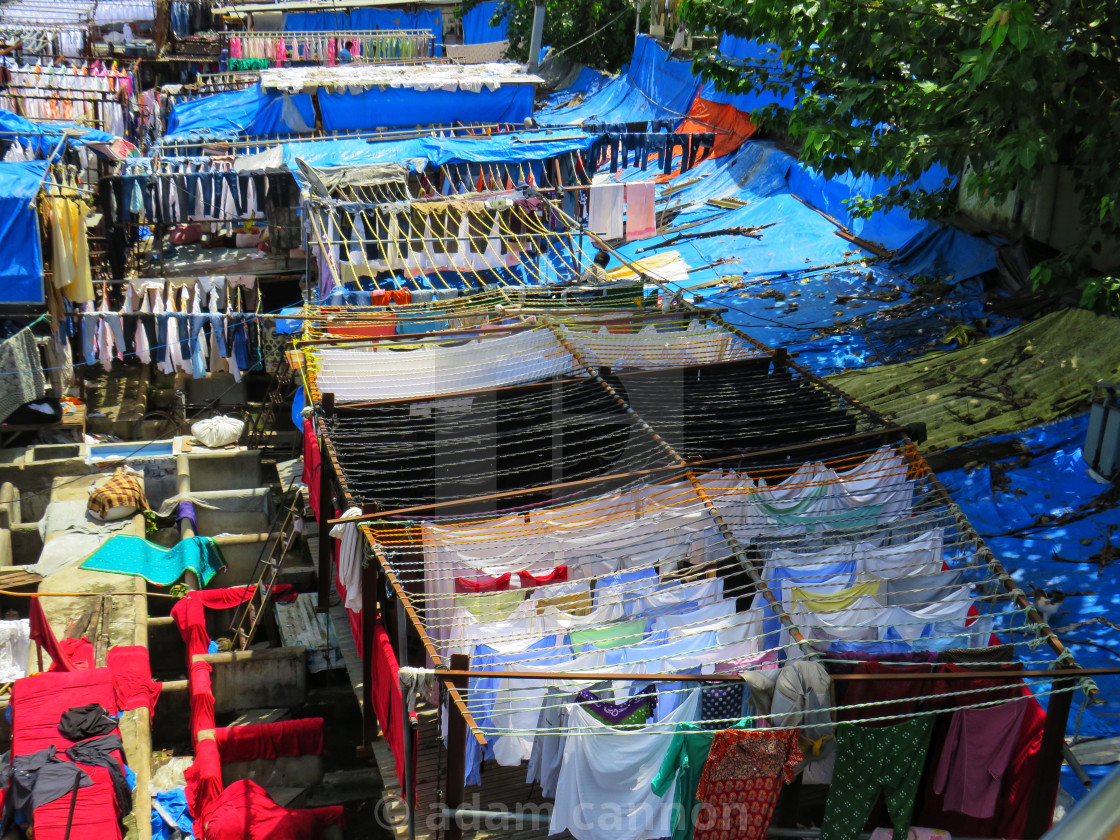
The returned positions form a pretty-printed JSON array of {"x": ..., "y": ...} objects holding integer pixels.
[
  {"x": 45, "y": 137},
  {"x": 405, "y": 107},
  {"x": 654, "y": 86},
  {"x": 21, "y": 259},
  {"x": 368, "y": 19},
  {"x": 477, "y": 28},
  {"x": 438, "y": 151},
  {"x": 251, "y": 112},
  {"x": 753, "y": 53}
]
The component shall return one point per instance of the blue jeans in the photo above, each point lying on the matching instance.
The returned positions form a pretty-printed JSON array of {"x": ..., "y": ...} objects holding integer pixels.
[
  {"x": 197, "y": 339},
  {"x": 90, "y": 320}
]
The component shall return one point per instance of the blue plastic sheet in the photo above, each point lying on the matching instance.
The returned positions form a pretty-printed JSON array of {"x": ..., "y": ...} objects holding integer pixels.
[
  {"x": 477, "y": 28},
  {"x": 1018, "y": 508},
  {"x": 21, "y": 260},
  {"x": 654, "y": 86},
  {"x": 174, "y": 803},
  {"x": 437, "y": 151},
  {"x": 405, "y": 107},
  {"x": 251, "y": 112},
  {"x": 587, "y": 82},
  {"x": 754, "y": 53},
  {"x": 45, "y": 137}
]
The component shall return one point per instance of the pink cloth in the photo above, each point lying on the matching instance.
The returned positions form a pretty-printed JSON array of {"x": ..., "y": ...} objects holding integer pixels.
[
  {"x": 975, "y": 756},
  {"x": 641, "y": 221}
]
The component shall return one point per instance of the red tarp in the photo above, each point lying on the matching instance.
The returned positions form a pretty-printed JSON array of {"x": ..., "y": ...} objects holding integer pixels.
[
  {"x": 270, "y": 740},
  {"x": 39, "y": 701},
  {"x": 132, "y": 678}
]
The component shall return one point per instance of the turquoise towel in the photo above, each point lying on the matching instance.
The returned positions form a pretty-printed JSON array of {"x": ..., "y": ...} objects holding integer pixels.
[{"x": 127, "y": 555}]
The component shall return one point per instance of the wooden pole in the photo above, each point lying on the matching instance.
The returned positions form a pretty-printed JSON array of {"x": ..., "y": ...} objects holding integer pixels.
[
  {"x": 1040, "y": 810},
  {"x": 456, "y": 749}
]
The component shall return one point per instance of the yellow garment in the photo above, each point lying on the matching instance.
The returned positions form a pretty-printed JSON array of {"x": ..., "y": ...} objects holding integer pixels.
[
  {"x": 62, "y": 262},
  {"x": 80, "y": 288},
  {"x": 834, "y": 601},
  {"x": 577, "y": 603}
]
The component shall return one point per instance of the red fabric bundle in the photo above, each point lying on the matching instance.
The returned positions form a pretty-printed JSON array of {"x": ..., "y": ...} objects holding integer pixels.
[
  {"x": 245, "y": 811},
  {"x": 39, "y": 701},
  {"x": 484, "y": 584},
  {"x": 95, "y": 811},
  {"x": 78, "y": 652},
  {"x": 190, "y": 612},
  {"x": 202, "y": 697},
  {"x": 270, "y": 740},
  {"x": 204, "y": 778},
  {"x": 132, "y": 678},
  {"x": 557, "y": 575}
]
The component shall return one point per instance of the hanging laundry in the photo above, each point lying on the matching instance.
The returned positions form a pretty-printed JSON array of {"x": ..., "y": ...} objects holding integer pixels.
[
  {"x": 874, "y": 761},
  {"x": 741, "y": 781},
  {"x": 605, "y": 210},
  {"x": 641, "y": 221}
]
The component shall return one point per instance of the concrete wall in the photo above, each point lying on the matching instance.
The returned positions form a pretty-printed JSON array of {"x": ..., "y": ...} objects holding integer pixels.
[
  {"x": 291, "y": 771},
  {"x": 258, "y": 679},
  {"x": 242, "y": 511},
  {"x": 236, "y": 470}
]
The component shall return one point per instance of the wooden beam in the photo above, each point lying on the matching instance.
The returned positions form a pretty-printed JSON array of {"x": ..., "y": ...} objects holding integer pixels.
[
  {"x": 1044, "y": 792},
  {"x": 456, "y": 748}
]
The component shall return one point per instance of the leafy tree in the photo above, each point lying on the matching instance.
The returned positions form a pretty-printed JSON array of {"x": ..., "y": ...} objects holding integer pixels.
[
  {"x": 894, "y": 86},
  {"x": 598, "y": 33}
]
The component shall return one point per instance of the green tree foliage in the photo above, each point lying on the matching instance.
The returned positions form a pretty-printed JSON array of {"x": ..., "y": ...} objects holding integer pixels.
[
  {"x": 893, "y": 86},
  {"x": 568, "y": 23}
]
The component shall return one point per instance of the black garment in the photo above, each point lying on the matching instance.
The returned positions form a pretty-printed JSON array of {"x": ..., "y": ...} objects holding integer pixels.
[
  {"x": 98, "y": 751},
  {"x": 39, "y": 779},
  {"x": 83, "y": 722}
]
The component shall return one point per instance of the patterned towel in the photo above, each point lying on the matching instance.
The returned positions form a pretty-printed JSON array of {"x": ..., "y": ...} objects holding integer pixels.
[
  {"x": 21, "y": 373},
  {"x": 124, "y": 488}
]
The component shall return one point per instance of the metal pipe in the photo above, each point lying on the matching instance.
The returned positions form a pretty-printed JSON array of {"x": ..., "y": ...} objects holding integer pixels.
[{"x": 1096, "y": 817}]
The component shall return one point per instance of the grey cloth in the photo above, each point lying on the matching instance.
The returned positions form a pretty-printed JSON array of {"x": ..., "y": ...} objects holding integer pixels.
[
  {"x": 98, "y": 752},
  {"x": 797, "y": 695},
  {"x": 38, "y": 779},
  {"x": 920, "y": 590},
  {"x": 21, "y": 373}
]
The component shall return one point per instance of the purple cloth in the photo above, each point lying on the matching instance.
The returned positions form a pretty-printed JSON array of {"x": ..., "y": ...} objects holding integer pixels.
[
  {"x": 186, "y": 511},
  {"x": 977, "y": 750},
  {"x": 612, "y": 713}
]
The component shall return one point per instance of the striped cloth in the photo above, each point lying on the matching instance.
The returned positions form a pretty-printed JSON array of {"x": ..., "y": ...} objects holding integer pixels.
[{"x": 123, "y": 488}]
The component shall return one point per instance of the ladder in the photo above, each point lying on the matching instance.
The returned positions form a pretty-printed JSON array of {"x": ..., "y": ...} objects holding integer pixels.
[
  {"x": 251, "y": 611},
  {"x": 277, "y": 398}
]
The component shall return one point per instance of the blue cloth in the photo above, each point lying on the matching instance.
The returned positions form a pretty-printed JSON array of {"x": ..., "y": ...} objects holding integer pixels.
[
  {"x": 299, "y": 400},
  {"x": 174, "y": 803},
  {"x": 127, "y": 555},
  {"x": 480, "y": 690},
  {"x": 289, "y": 326},
  {"x": 21, "y": 259}
]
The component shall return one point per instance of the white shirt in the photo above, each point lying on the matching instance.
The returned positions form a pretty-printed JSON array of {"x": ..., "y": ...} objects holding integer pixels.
[{"x": 350, "y": 558}]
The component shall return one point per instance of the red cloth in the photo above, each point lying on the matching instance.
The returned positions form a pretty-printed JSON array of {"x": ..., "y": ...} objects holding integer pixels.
[
  {"x": 201, "y": 692},
  {"x": 905, "y": 692},
  {"x": 270, "y": 740},
  {"x": 43, "y": 635},
  {"x": 245, "y": 811},
  {"x": 95, "y": 811},
  {"x": 311, "y": 466},
  {"x": 190, "y": 611},
  {"x": 204, "y": 778},
  {"x": 384, "y": 672},
  {"x": 483, "y": 584},
  {"x": 132, "y": 678},
  {"x": 557, "y": 575},
  {"x": 39, "y": 701},
  {"x": 78, "y": 652}
]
